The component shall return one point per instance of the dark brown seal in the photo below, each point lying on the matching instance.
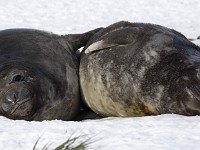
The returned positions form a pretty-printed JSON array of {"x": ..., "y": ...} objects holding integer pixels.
[
  {"x": 39, "y": 74},
  {"x": 137, "y": 69}
]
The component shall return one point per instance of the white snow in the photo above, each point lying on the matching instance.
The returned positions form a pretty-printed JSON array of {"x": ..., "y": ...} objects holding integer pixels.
[{"x": 164, "y": 132}]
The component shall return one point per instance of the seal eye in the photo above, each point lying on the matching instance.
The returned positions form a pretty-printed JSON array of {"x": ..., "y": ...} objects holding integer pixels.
[{"x": 18, "y": 78}]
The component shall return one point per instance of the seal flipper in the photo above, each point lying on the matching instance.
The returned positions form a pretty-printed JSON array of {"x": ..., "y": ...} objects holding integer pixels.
[
  {"x": 76, "y": 41},
  {"x": 100, "y": 45},
  {"x": 114, "y": 38}
]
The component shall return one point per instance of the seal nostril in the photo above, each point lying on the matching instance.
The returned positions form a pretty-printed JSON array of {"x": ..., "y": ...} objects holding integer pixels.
[{"x": 14, "y": 96}]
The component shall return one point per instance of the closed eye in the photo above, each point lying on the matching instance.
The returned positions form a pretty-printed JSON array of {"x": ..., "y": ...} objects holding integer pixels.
[{"x": 18, "y": 78}]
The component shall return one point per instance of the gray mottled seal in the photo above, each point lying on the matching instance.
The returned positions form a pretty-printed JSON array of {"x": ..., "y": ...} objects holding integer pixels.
[
  {"x": 137, "y": 69},
  {"x": 39, "y": 74}
]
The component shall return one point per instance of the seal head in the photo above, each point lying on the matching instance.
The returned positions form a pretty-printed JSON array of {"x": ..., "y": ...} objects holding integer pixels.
[
  {"x": 19, "y": 96},
  {"x": 39, "y": 74}
]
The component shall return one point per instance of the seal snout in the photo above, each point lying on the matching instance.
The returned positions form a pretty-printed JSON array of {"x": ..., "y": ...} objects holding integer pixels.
[
  {"x": 18, "y": 95},
  {"x": 18, "y": 100}
]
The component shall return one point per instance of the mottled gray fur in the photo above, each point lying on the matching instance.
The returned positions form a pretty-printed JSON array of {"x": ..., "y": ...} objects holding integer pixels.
[{"x": 137, "y": 69}]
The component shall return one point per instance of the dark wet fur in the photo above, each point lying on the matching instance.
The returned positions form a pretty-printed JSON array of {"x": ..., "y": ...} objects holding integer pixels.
[{"x": 51, "y": 60}]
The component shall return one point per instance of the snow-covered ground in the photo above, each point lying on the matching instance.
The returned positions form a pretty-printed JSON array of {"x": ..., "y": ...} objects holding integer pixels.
[
  {"x": 164, "y": 132},
  {"x": 74, "y": 16}
]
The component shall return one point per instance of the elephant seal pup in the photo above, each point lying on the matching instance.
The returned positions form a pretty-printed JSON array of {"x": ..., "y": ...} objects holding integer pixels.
[
  {"x": 39, "y": 74},
  {"x": 136, "y": 69}
]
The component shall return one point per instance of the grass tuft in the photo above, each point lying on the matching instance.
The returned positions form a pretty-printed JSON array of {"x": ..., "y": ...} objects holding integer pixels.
[{"x": 68, "y": 145}]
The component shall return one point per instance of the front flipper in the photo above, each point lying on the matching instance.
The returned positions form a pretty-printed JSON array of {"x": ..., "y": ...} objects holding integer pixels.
[
  {"x": 118, "y": 37},
  {"x": 75, "y": 41},
  {"x": 100, "y": 45}
]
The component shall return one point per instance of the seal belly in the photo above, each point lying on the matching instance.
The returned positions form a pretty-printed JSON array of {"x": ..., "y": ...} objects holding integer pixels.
[
  {"x": 108, "y": 87},
  {"x": 99, "y": 100}
]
